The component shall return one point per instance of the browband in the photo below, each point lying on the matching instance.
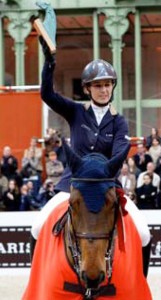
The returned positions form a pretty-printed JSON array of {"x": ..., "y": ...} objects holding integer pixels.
[{"x": 92, "y": 179}]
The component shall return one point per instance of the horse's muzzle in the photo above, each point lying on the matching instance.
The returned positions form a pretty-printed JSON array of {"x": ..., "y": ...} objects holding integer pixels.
[{"x": 92, "y": 283}]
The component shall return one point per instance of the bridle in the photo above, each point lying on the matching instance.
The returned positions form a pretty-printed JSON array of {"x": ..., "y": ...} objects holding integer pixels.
[
  {"x": 73, "y": 245},
  {"x": 73, "y": 239}
]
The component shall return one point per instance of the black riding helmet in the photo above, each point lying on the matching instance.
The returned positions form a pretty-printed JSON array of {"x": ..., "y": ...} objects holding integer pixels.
[{"x": 98, "y": 69}]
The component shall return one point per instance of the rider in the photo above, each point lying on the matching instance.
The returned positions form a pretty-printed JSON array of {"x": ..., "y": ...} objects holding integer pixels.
[{"x": 94, "y": 126}]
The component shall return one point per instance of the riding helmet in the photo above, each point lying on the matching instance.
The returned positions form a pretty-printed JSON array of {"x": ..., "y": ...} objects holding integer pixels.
[{"x": 98, "y": 69}]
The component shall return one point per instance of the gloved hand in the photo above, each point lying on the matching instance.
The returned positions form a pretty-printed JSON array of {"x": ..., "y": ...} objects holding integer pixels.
[{"x": 48, "y": 55}]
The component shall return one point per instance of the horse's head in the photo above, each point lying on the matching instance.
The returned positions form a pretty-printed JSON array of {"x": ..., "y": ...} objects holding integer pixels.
[{"x": 92, "y": 214}]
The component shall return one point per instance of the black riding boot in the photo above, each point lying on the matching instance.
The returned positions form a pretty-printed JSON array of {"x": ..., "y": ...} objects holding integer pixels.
[
  {"x": 32, "y": 246},
  {"x": 146, "y": 258}
]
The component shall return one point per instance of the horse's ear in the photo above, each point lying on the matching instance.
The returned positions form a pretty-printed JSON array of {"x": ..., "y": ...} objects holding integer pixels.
[
  {"x": 73, "y": 160},
  {"x": 115, "y": 163}
]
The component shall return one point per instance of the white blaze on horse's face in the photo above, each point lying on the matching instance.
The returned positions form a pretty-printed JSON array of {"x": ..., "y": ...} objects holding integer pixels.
[{"x": 92, "y": 231}]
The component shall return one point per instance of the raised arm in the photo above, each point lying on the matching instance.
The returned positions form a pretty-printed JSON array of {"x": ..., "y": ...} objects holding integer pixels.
[{"x": 60, "y": 104}]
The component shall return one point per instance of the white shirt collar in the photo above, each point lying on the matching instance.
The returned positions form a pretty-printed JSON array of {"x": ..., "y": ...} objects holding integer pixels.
[{"x": 99, "y": 111}]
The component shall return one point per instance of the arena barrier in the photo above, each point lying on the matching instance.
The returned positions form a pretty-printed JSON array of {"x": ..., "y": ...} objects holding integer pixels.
[{"x": 15, "y": 233}]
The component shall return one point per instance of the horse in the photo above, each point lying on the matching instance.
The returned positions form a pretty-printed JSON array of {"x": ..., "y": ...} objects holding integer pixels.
[{"x": 89, "y": 247}]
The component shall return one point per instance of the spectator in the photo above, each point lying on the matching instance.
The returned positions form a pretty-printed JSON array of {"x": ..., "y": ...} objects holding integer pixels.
[
  {"x": 11, "y": 197},
  {"x": 32, "y": 194},
  {"x": 132, "y": 196},
  {"x": 31, "y": 190},
  {"x": 3, "y": 184},
  {"x": 29, "y": 164},
  {"x": 35, "y": 151},
  {"x": 141, "y": 158},
  {"x": 155, "y": 150},
  {"x": 24, "y": 198},
  {"x": 133, "y": 169},
  {"x": 32, "y": 165},
  {"x": 46, "y": 192},
  {"x": 155, "y": 177},
  {"x": 54, "y": 168},
  {"x": 147, "y": 194},
  {"x": 9, "y": 165},
  {"x": 158, "y": 166},
  {"x": 60, "y": 152},
  {"x": 127, "y": 180},
  {"x": 53, "y": 142},
  {"x": 154, "y": 134},
  {"x": 28, "y": 200},
  {"x": 50, "y": 140}
]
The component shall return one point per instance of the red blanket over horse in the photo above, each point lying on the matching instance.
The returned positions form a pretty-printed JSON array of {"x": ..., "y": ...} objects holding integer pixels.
[{"x": 50, "y": 267}]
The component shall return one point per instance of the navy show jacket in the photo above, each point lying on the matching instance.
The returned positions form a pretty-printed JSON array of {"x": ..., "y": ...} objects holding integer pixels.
[{"x": 87, "y": 136}]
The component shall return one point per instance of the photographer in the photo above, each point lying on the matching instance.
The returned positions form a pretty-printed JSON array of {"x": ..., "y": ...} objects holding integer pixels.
[{"x": 45, "y": 193}]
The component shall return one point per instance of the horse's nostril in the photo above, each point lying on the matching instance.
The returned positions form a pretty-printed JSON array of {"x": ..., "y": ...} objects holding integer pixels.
[
  {"x": 93, "y": 283},
  {"x": 84, "y": 276},
  {"x": 101, "y": 277}
]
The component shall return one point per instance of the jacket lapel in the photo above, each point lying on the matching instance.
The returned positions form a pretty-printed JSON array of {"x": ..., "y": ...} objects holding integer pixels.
[
  {"x": 108, "y": 118},
  {"x": 90, "y": 113}
]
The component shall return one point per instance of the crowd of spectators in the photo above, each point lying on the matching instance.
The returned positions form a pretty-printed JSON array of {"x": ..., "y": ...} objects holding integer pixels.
[
  {"x": 140, "y": 175},
  {"x": 31, "y": 185}
]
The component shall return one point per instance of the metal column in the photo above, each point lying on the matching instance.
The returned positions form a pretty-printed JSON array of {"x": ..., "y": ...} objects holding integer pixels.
[
  {"x": 116, "y": 25},
  {"x": 1, "y": 54},
  {"x": 20, "y": 63},
  {"x": 138, "y": 73},
  {"x": 96, "y": 40}
]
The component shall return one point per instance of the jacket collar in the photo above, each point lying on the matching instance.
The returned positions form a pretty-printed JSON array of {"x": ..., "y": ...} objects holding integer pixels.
[{"x": 108, "y": 117}]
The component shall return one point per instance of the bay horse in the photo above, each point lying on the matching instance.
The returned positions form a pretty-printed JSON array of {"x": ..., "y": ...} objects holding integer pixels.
[{"x": 89, "y": 247}]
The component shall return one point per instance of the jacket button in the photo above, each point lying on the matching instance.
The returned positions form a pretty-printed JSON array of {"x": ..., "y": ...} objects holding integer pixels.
[
  {"x": 92, "y": 147},
  {"x": 96, "y": 134}
]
